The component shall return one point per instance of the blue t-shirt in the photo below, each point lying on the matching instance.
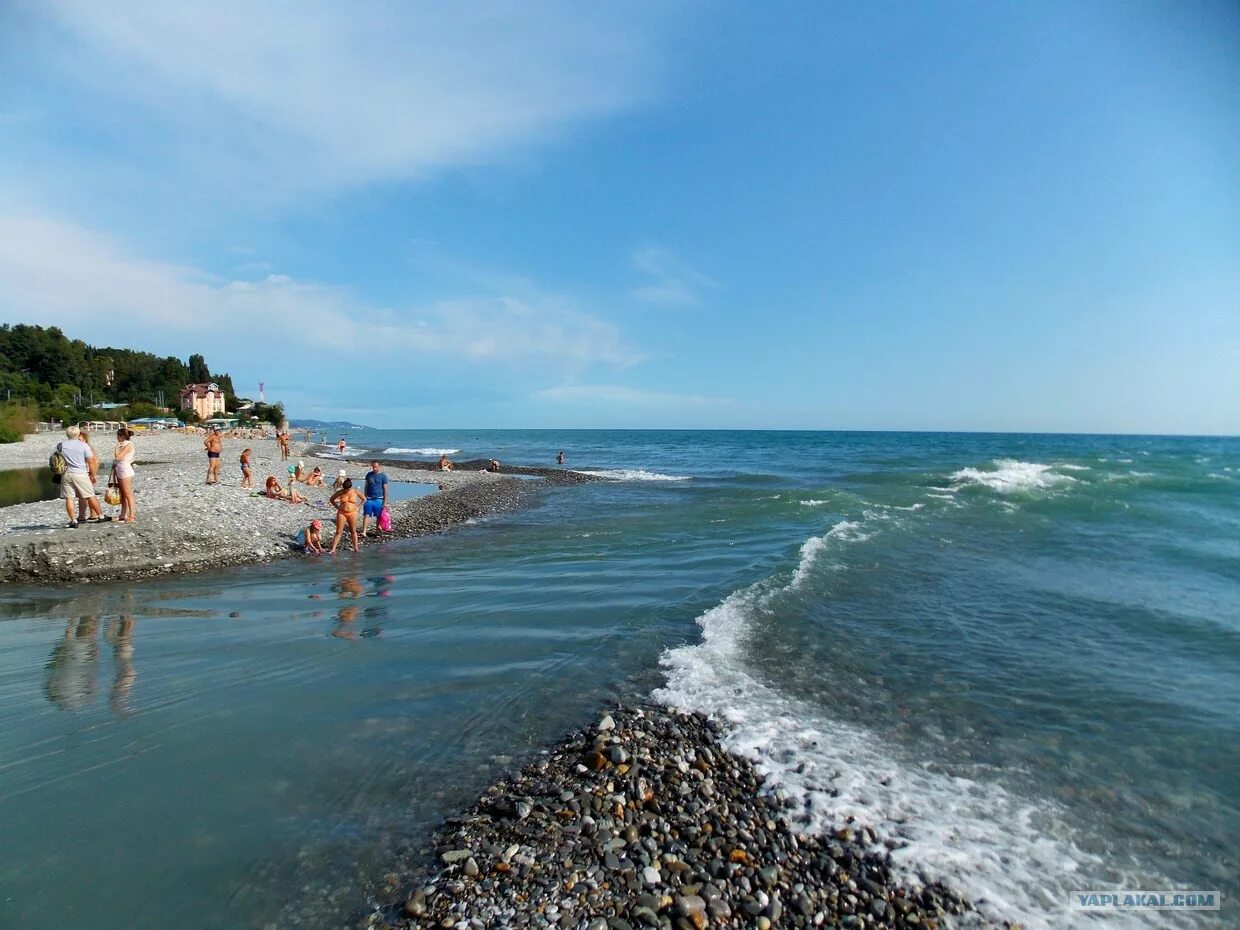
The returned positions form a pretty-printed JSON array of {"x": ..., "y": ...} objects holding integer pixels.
[{"x": 375, "y": 484}]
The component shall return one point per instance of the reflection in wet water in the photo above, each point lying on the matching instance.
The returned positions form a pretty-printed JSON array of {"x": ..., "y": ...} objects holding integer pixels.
[
  {"x": 72, "y": 679},
  {"x": 351, "y": 587}
]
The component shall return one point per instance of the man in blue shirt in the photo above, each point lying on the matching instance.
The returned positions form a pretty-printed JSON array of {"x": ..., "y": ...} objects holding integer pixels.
[{"x": 376, "y": 495}]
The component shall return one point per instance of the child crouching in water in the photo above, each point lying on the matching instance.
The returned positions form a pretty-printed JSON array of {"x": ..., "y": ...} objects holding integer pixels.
[{"x": 311, "y": 538}]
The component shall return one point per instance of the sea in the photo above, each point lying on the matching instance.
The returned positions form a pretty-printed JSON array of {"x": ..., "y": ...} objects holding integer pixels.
[{"x": 1017, "y": 657}]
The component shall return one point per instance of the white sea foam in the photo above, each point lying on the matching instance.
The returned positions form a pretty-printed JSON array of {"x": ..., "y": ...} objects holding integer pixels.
[
  {"x": 1068, "y": 466},
  {"x": 1011, "y": 476},
  {"x": 1016, "y": 854},
  {"x": 845, "y": 530},
  {"x": 812, "y": 502},
  {"x": 634, "y": 474},
  {"x": 396, "y": 450}
]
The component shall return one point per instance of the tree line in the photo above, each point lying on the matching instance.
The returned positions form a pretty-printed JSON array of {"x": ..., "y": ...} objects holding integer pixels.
[{"x": 46, "y": 375}]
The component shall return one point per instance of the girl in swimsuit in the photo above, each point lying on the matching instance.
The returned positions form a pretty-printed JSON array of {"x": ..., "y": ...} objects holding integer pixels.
[
  {"x": 348, "y": 503},
  {"x": 122, "y": 468},
  {"x": 246, "y": 475}
]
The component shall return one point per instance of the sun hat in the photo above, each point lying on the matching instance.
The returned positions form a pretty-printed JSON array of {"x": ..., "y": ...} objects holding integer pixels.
[
  {"x": 343, "y": 473},
  {"x": 317, "y": 524}
]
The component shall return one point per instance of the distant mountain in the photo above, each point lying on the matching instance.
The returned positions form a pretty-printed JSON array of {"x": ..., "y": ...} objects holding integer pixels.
[{"x": 328, "y": 425}]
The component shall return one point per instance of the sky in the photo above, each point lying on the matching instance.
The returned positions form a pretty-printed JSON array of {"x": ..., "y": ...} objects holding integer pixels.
[{"x": 1018, "y": 216}]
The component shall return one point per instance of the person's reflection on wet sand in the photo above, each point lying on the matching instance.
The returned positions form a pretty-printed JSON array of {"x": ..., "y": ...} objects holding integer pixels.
[{"x": 73, "y": 667}]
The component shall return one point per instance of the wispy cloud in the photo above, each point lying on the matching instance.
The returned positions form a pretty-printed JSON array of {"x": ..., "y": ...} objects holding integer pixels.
[
  {"x": 267, "y": 94},
  {"x": 63, "y": 274},
  {"x": 671, "y": 280}
]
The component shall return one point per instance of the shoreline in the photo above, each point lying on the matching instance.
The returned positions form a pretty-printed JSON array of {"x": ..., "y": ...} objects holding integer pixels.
[
  {"x": 185, "y": 525},
  {"x": 645, "y": 820}
]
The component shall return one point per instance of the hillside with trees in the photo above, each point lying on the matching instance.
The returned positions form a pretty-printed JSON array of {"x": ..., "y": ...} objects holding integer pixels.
[{"x": 45, "y": 375}]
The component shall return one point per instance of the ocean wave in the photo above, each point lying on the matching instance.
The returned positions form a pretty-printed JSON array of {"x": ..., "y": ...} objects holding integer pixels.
[
  {"x": 1068, "y": 466},
  {"x": 967, "y": 831},
  {"x": 812, "y": 502},
  {"x": 396, "y": 450},
  {"x": 845, "y": 530},
  {"x": 1012, "y": 476},
  {"x": 633, "y": 474}
]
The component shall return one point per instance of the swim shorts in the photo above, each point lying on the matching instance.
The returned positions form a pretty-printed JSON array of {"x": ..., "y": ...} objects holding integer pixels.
[
  {"x": 373, "y": 507},
  {"x": 213, "y": 455}
]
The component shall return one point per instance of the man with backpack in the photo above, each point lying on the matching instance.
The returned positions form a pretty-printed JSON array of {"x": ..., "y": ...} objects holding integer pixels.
[{"x": 70, "y": 461}]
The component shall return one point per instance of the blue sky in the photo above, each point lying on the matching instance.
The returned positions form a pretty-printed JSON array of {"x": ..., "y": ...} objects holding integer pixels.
[{"x": 1017, "y": 216}]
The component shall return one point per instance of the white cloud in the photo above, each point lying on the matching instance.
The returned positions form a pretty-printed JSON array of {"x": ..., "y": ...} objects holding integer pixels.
[
  {"x": 621, "y": 395},
  {"x": 672, "y": 281},
  {"x": 318, "y": 93},
  {"x": 58, "y": 273}
]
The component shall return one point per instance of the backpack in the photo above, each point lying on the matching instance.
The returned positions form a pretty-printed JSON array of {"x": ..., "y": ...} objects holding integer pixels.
[{"x": 58, "y": 464}]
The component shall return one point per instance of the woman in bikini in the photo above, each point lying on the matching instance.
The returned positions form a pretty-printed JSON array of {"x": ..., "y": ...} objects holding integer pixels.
[
  {"x": 348, "y": 504},
  {"x": 122, "y": 469},
  {"x": 247, "y": 476}
]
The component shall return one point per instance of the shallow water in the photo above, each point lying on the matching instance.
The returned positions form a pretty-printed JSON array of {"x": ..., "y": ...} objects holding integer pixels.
[
  {"x": 1019, "y": 653},
  {"x": 27, "y": 486}
]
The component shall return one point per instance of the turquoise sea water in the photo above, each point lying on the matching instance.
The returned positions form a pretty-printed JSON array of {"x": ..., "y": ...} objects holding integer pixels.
[{"x": 1019, "y": 655}]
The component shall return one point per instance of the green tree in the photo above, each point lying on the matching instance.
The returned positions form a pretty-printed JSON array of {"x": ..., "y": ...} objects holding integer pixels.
[{"x": 199, "y": 373}]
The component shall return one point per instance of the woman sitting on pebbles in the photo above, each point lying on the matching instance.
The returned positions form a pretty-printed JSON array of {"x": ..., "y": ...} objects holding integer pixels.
[
  {"x": 348, "y": 504},
  {"x": 274, "y": 490},
  {"x": 444, "y": 463},
  {"x": 315, "y": 478},
  {"x": 122, "y": 469}
]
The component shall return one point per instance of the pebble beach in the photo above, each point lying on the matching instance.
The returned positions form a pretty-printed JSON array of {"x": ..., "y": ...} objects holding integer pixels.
[
  {"x": 186, "y": 525},
  {"x": 645, "y": 821}
]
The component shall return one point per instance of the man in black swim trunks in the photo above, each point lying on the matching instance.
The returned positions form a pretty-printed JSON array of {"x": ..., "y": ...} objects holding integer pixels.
[{"x": 214, "y": 446}]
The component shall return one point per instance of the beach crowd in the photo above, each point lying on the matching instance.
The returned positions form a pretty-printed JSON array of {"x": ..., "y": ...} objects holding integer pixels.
[{"x": 75, "y": 465}]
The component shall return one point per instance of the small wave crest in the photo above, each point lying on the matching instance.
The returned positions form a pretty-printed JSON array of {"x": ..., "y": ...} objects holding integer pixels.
[
  {"x": 845, "y": 531},
  {"x": 397, "y": 450},
  {"x": 969, "y": 831},
  {"x": 633, "y": 474},
  {"x": 1010, "y": 476}
]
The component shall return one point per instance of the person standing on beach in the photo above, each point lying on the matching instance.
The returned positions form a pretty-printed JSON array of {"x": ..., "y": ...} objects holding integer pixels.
[
  {"x": 347, "y": 503},
  {"x": 76, "y": 482},
  {"x": 341, "y": 446},
  {"x": 247, "y": 476},
  {"x": 376, "y": 496},
  {"x": 92, "y": 467},
  {"x": 282, "y": 439},
  {"x": 214, "y": 446},
  {"x": 122, "y": 470}
]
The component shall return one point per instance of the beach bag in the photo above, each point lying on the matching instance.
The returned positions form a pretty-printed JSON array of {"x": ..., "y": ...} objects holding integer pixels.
[
  {"x": 58, "y": 464},
  {"x": 112, "y": 496},
  {"x": 385, "y": 520}
]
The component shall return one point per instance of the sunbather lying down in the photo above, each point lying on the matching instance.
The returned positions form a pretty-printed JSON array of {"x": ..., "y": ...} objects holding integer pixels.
[{"x": 275, "y": 491}]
